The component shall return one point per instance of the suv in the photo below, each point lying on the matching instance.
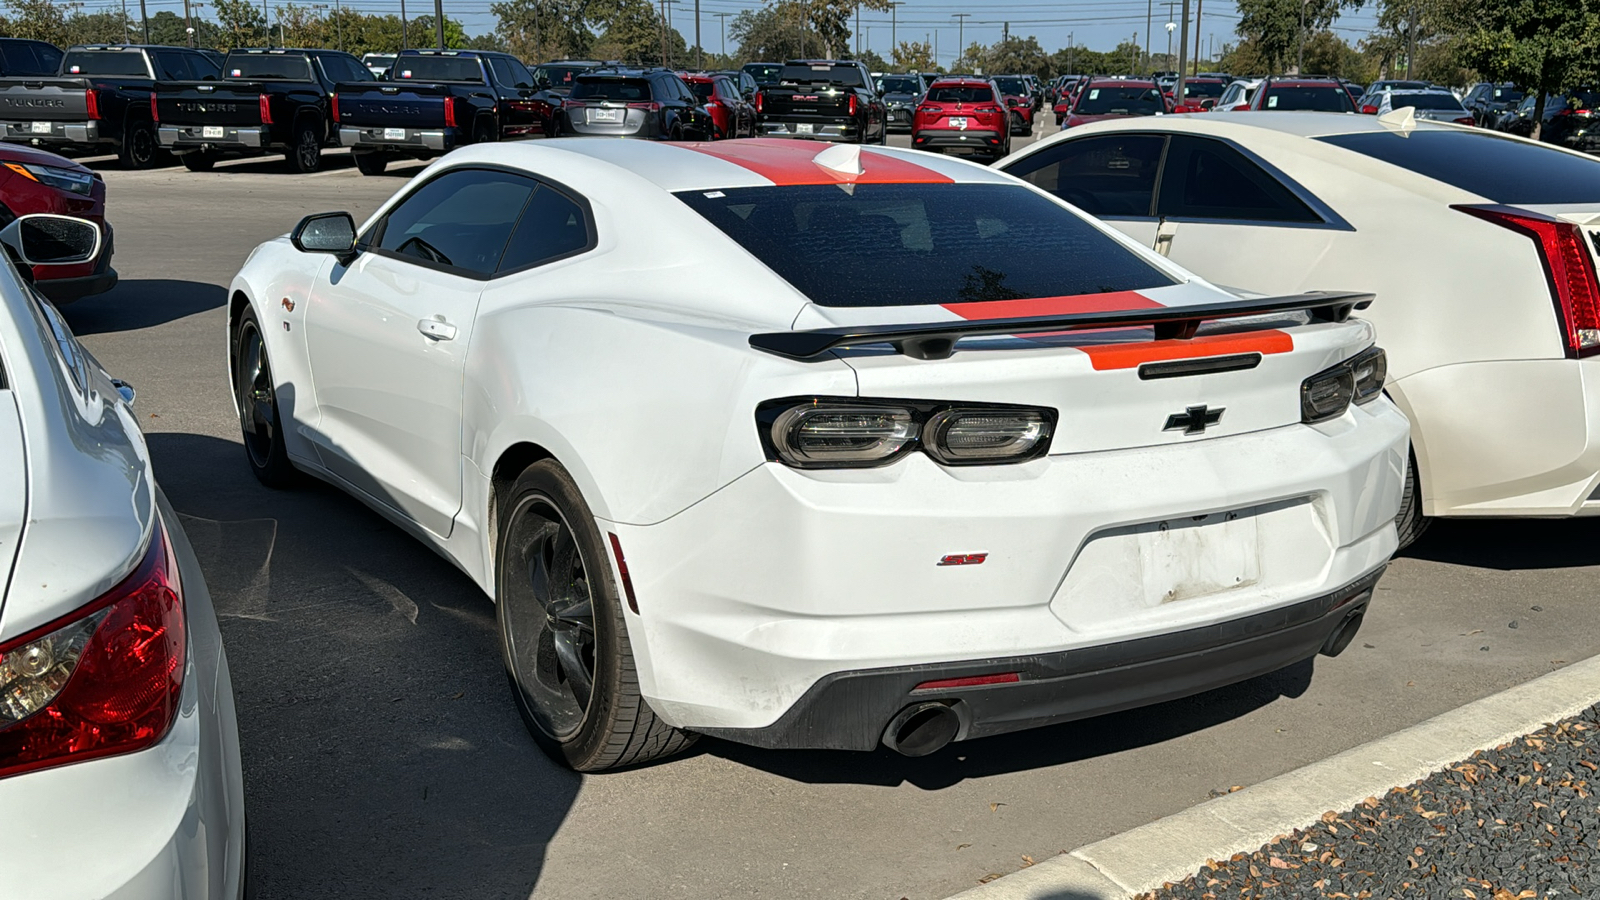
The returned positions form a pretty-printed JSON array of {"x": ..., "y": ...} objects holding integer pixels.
[
  {"x": 900, "y": 95},
  {"x": 638, "y": 103},
  {"x": 964, "y": 115},
  {"x": 1488, "y": 102},
  {"x": 1302, "y": 95},
  {"x": 1368, "y": 102},
  {"x": 1018, "y": 96},
  {"x": 732, "y": 115}
]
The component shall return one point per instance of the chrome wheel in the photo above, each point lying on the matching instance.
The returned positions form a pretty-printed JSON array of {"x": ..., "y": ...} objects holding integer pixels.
[
  {"x": 548, "y": 618},
  {"x": 258, "y": 404},
  {"x": 308, "y": 151}
]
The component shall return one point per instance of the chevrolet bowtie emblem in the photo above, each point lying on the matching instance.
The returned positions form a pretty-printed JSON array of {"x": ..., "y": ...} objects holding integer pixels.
[{"x": 1193, "y": 420}]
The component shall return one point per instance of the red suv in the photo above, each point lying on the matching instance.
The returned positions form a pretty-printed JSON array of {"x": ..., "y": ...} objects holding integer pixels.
[
  {"x": 732, "y": 115},
  {"x": 1108, "y": 98},
  {"x": 37, "y": 181},
  {"x": 1014, "y": 91},
  {"x": 1302, "y": 95},
  {"x": 964, "y": 115}
]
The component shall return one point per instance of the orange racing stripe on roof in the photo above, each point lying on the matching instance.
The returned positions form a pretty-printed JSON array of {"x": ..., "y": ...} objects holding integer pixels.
[{"x": 789, "y": 163}]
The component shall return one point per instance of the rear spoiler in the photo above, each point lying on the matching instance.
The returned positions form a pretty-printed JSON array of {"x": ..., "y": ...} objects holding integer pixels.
[{"x": 936, "y": 340}]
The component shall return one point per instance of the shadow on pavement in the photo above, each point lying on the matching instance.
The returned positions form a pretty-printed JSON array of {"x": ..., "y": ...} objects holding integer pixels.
[
  {"x": 1024, "y": 750},
  {"x": 383, "y": 756},
  {"x": 1510, "y": 544},
  {"x": 141, "y": 303}
]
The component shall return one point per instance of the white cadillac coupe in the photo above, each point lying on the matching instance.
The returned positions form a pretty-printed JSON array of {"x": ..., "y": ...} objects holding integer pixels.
[{"x": 802, "y": 448}]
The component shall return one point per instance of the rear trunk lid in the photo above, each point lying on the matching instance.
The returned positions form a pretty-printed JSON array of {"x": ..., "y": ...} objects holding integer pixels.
[{"x": 44, "y": 99}]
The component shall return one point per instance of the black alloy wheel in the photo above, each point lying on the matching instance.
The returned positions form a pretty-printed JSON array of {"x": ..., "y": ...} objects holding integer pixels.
[
  {"x": 199, "y": 160},
  {"x": 372, "y": 162},
  {"x": 562, "y": 631},
  {"x": 260, "y": 423},
  {"x": 482, "y": 131},
  {"x": 305, "y": 156},
  {"x": 139, "y": 148}
]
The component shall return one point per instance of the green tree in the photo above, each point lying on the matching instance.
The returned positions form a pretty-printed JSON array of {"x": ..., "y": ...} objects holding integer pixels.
[
  {"x": 914, "y": 56},
  {"x": 243, "y": 24},
  {"x": 542, "y": 30},
  {"x": 1276, "y": 27},
  {"x": 634, "y": 32},
  {"x": 1016, "y": 56},
  {"x": 40, "y": 20},
  {"x": 1328, "y": 54},
  {"x": 774, "y": 33},
  {"x": 1543, "y": 46},
  {"x": 106, "y": 28}
]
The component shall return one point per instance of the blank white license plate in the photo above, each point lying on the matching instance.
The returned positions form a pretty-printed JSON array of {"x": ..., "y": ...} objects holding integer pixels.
[
  {"x": 394, "y": 134},
  {"x": 605, "y": 115},
  {"x": 802, "y": 129},
  {"x": 958, "y": 122},
  {"x": 41, "y": 128},
  {"x": 214, "y": 131}
]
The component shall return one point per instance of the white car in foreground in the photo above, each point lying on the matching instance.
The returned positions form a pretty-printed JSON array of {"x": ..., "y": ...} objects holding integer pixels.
[
  {"x": 805, "y": 449},
  {"x": 1479, "y": 246},
  {"x": 119, "y": 755}
]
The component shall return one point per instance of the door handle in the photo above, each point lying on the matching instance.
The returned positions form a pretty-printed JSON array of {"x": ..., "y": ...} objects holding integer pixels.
[{"x": 436, "y": 329}]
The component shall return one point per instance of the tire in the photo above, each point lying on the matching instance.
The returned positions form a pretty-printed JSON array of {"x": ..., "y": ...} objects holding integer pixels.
[
  {"x": 260, "y": 423},
  {"x": 305, "y": 154},
  {"x": 1410, "y": 522},
  {"x": 140, "y": 149},
  {"x": 676, "y": 134},
  {"x": 562, "y": 633},
  {"x": 372, "y": 163},
  {"x": 482, "y": 131},
  {"x": 199, "y": 161}
]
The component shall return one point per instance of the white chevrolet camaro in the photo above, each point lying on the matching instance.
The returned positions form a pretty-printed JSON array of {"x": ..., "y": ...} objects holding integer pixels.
[
  {"x": 119, "y": 753},
  {"x": 805, "y": 449},
  {"x": 1479, "y": 246}
]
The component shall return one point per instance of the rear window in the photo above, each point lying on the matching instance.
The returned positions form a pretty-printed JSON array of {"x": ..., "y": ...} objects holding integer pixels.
[
  {"x": 558, "y": 76},
  {"x": 900, "y": 84},
  {"x": 764, "y": 73},
  {"x": 1203, "y": 89},
  {"x": 267, "y": 67},
  {"x": 1499, "y": 168},
  {"x": 1428, "y": 100},
  {"x": 592, "y": 87},
  {"x": 437, "y": 68},
  {"x": 1110, "y": 100},
  {"x": 972, "y": 94},
  {"x": 105, "y": 62},
  {"x": 1507, "y": 95},
  {"x": 703, "y": 90},
  {"x": 913, "y": 244},
  {"x": 1014, "y": 86},
  {"x": 1308, "y": 99},
  {"x": 847, "y": 76}
]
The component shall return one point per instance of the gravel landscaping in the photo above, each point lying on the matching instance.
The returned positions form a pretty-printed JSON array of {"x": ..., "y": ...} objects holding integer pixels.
[{"x": 1519, "y": 822}]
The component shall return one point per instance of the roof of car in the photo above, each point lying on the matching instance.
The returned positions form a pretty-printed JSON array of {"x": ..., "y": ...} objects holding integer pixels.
[
  {"x": 1298, "y": 124},
  {"x": 960, "y": 79},
  {"x": 1133, "y": 82},
  {"x": 1306, "y": 83}
]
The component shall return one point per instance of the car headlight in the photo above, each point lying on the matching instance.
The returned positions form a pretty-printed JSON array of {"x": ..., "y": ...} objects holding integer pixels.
[
  {"x": 826, "y": 432},
  {"x": 1359, "y": 379},
  {"x": 56, "y": 177}
]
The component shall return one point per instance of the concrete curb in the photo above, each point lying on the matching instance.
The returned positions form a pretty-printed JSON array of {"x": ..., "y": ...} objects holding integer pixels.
[{"x": 1172, "y": 848}]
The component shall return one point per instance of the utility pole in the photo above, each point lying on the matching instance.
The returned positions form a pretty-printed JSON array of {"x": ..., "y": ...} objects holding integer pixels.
[
  {"x": 1149, "y": 8},
  {"x": 266, "y": 20},
  {"x": 188, "y": 24},
  {"x": 935, "y": 47},
  {"x": 661, "y": 25},
  {"x": 894, "y": 35},
  {"x": 1411, "y": 39},
  {"x": 125, "y": 22},
  {"x": 1183, "y": 57},
  {"x": 146, "y": 22},
  {"x": 1171, "y": 26},
  {"x": 1133, "y": 58},
  {"x": 724, "y": 17},
  {"x": 1300, "y": 42},
  {"x": 857, "y": 34},
  {"x": 438, "y": 21},
  {"x": 338, "y": 23},
  {"x": 961, "y": 36},
  {"x": 697, "y": 63},
  {"x": 404, "y": 27},
  {"x": 1198, "y": 7}
]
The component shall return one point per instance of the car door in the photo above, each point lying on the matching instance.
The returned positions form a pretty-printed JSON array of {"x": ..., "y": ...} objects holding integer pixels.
[
  {"x": 1111, "y": 177},
  {"x": 1221, "y": 213},
  {"x": 387, "y": 338}
]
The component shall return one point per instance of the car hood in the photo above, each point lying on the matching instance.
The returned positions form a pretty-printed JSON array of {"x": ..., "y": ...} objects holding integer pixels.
[{"x": 18, "y": 153}]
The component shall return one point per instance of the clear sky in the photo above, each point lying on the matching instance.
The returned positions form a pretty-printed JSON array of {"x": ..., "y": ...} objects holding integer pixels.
[{"x": 1097, "y": 24}]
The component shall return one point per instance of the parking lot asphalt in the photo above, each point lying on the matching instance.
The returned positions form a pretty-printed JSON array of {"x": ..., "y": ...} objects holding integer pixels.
[{"x": 383, "y": 756}]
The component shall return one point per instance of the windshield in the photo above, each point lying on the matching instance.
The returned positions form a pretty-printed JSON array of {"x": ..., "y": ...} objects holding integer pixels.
[
  {"x": 973, "y": 94},
  {"x": 912, "y": 244},
  {"x": 1427, "y": 100},
  {"x": 1202, "y": 90},
  {"x": 1318, "y": 98},
  {"x": 105, "y": 62},
  {"x": 1507, "y": 95},
  {"x": 1111, "y": 100},
  {"x": 900, "y": 84},
  {"x": 438, "y": 68},
  {"x": 764, "y": 73},
  {"x": 847, "y": 76},
  {"x": 1014, "y": 86},
  {"x": 1485, "y": 163},
  {"x": 591, "y": 87},
  {"x": 267, "y": 67},
  {"x": 382, "y": 59}
]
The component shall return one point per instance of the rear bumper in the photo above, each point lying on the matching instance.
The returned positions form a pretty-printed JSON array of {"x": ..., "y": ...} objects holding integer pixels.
[
  {"x": 401, "y": 140},
  {"x": 850, "y": 710},
  {"x": 971, "y": 140},
  {"x": 231, "y": 137},
  {"x": 815, "y": 130},
  {"x": 58, "y": 134}
]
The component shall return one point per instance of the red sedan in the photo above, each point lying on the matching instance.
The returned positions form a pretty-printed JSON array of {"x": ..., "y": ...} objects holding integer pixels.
[
  {"x": 1106, "y": 98},
  {"x": 36, "y": 181}
]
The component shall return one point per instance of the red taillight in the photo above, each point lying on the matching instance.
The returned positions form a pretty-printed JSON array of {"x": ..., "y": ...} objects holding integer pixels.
[
  {"x": 622, "y": 569},
  {"x": 266, "y": 110},
  {"x": 1466, "y": 120},
  {"x": 91, "y": 103},
  {"x": 449, "y": 112},
  {"x": 971, "y": 681},
  {"x": 102, "y": 681},
  {"x": 155, "y": 112},
  {"x": 335, "y": 101},
  {"x": 987, "y": 111},
  {"x": 576, "y": 104},
  {"x": 760, "y": 100},
  {"x": 1369, "y": 110},
  {"x": 852, "y": 104},
  {"x": 1567, "y": 266}
]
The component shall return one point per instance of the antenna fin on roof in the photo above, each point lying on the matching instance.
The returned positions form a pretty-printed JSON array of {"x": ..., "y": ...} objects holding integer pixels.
[
  {"x": 842, "y": 158},
  {"x": 1403, "y": 119}
]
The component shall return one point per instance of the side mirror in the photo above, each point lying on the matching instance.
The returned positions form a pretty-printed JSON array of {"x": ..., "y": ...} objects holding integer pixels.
[
  {"x": 333, "y": 233},
  {"x": 1208, "y": 103},
  {"x": 43, "y": 239}
]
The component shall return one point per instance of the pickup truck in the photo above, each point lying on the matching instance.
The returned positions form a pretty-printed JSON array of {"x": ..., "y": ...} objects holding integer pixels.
[
  {"x": 436, "y": 100},
  {"x": 99, "y": 101},
  {"x": 267, "y": 101},
  {"x": 826, "y": 100}
]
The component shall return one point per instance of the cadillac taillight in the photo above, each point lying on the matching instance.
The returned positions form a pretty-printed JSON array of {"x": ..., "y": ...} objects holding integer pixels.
[
  {"x": 100, "y": 681},
  {"x": 266, "y": 109},
  {"x": 1568, "y": 268}
]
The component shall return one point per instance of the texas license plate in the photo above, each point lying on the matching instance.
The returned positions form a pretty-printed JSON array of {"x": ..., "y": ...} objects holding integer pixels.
[
  {"x": 802, "y": 129},
  {"x": 41, "y": 128},
  {"x": 959, "y": 122},
  {"x": 212, "y": 131},
  {"x": 394, "y": 134},
  {"x": 605, "y": 115}
]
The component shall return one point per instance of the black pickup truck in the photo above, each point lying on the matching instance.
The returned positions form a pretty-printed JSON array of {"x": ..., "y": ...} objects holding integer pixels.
[
  {"x": 267, "y": 101},
  {"x": 824, "y": 100},
  {"x": 435, "y": 100},
  {"x": 99, "y": 101}
]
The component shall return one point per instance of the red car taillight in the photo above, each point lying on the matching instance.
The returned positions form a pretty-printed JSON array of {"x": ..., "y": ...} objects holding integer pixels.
[
  {"x": 91, "y": 103},
  {"x": 335, "y": 101},
  {"x": 1466, "y": 120},
  {"x": 449, "y": 112},
  {"x": 101, "y": 681},
  {"x": 1369, "y": 110},
  {"x": 760, "y": 101},
  {"x": 987, "y": 111},
  {"x": 266, "y": 110},
  {"x": 155, "y": 112},
  {"x": 852, "y": 104},
  {"x": 1568, "y": 268}
]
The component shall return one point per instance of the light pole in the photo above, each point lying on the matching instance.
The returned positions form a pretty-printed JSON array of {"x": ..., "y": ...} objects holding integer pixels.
[
  {"x": 438, "y": 21},
  {"x": 1171, "y": 27},
  {"x": 724, "y": 17},
  {"x": 1148, "y": 10},
  {"x": 1183, "y": 56},
  {"x": 188, "y": 23},
  {"x": 961, "y": 35},
  {"x": 697, "y": 63},
  {"x": 403, "y": 25},
  {"x": 894, "y": 44},
  {"x": 1300, "y": 42}
]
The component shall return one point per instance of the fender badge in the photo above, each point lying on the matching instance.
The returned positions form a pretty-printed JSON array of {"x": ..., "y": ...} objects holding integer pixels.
[
  {"x": 288, "y": 304},
  {"x": 964, "y": 559}
]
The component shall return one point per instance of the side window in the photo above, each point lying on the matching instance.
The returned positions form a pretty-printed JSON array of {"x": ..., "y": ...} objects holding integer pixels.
[
  {"x": 459, "y": 221},
  {"x": 497, "y": 67},
  {"x": 20, "y": 58},
  {"x": 1206, "y": 179},
  {"x": 201, "y": 68},
  {"x": 554, "y": 225},
  {"x": 171, "y": 66},
  {"x": 49, "y": 58},
  {"x": 1114, "y": 175}
]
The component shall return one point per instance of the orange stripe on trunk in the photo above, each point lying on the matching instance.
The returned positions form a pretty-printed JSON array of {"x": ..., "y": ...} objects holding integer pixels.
[{"x": 1126, "y": 356}]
